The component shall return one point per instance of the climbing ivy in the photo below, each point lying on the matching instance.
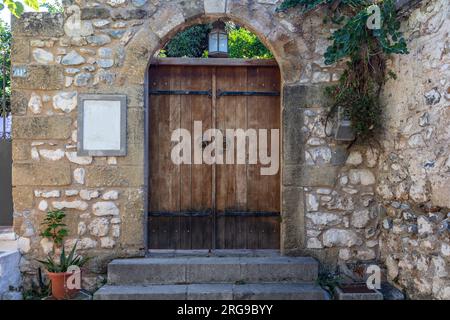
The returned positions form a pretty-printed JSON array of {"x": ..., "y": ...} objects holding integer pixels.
[{"x": 364, "y": 51}]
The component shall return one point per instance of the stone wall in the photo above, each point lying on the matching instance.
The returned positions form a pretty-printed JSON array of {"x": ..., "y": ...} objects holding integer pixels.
[
  {"x": 414, "y": 171},
  {"x": 328, "y": 208}
]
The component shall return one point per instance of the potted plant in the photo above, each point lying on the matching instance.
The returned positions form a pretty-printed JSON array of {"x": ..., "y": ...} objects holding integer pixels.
[
  {"x": 61, "y": 272},
  {"x": 66, "y": 268}
]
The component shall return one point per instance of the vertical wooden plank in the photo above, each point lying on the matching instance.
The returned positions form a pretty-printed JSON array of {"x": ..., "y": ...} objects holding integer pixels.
[
  {"x": 214, "y": 167},
  {"x": 269, "y": 80},
  {"x": 177, "y": 79},
  {"x": 201, "y": 111},
  {"x": 201, "y": 107},
  {"x": 154, "y": 105},
  {"x": 186, "y": 121},
  {"x": 253, "y": 176},
  {"x": 231, "y": 114},
  {"x": 263, "y": 191}
]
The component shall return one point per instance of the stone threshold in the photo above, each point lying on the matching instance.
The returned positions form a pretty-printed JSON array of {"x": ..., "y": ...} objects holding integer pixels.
[
  {"x": 7, "y": 234},
  {"x": 212, "y": 253}
]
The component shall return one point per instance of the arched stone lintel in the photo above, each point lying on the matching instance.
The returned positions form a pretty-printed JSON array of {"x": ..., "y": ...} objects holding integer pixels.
[{"x": 173, "y": 18}]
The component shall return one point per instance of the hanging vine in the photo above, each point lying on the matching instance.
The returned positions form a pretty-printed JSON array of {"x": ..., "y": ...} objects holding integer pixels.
[{"x": 364, "y": 51}]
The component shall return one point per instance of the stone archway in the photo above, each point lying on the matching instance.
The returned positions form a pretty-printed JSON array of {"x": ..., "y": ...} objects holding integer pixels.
[
  {"x": 173, "y": 18},
  {"x": 321, "y": 192}
]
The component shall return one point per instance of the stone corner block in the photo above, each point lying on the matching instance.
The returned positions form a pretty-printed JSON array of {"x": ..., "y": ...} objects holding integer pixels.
[
  {"x": 318, "y": 176},
  {"x": 309, "y": 176},
  {"x": 38, "y": 24},
  {"x": 20, "y": 50},
  {"x": 192, "y": 9},
  {"x": 97, "y": 177},
  {"x": 41, "y": 175},
  {"x": 297, "y": 96},
  {"x": 215, "y": 6},
  {"x": 47, "y": 127},
  {"x": 39, "y": 77}
]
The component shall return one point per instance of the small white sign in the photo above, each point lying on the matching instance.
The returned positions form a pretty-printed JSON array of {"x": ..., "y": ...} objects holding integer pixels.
[
  {"x": 102, "y": 125},
  {"x": 19, "y": 71}
]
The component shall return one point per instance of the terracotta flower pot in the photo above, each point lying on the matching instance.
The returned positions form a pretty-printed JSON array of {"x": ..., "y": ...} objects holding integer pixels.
[{"x": 60, "y": 291}]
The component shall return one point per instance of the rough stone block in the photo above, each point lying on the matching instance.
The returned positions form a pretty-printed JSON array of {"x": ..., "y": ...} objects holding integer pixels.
[
  {"x": 95, "y": 13},
  {"x": 225, "y": 270},
  {"x": 309, "y": 176},
  {"x": 38, "y": 24},
  {"x": 133, "y": 219},
  {"x": 339, "y": 155},
  {"x": 135, "y": 156},
  {"x": 158, "y": 292},
  {"x": 277, "y": 291},
  {"x": 318, "y": 176},
  {"x": 302, "y": 96},
  {"x": 146, "y": 271},
  {"x": 40, "y": 77},
  {"x": 19, "y": 102},
  {"x": 292, "y": 223},
  {"x": 215, "y": 6},
  {"x": 210, "y": 292},
  {"x": 52, "y": 127},
  {"x": 292, "y": 175},
  {"x": 440, "y": 189},
  {"x": 136, "y": 126},
  {"x": 139, "y": 51},
  {"x": 192, "y": 8},
  {"x": 265, "y": 270},
  {"x": 23, "y": 198},
  {"x": 97, "y": 177},
  {"x": 41, "y": 175},
  {"x": 20, "y": 50},
  {"x": 292, "y": 136},
  {"x": 21, "y": 150},
  {"x": 165, "y": 20},
  {"x": 133, "y": 14}
]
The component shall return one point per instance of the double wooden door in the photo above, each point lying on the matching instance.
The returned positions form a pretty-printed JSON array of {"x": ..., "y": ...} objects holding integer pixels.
[{"x": 218, "y": 206}]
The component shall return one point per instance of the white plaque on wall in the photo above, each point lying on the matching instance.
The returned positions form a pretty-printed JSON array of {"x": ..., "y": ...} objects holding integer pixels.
[{"x": 102, "y": 125}]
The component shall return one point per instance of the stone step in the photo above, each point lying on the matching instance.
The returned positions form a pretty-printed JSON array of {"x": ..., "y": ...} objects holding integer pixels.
[
  {"x": 212, "y": 270},
  {"x": 260, "y": 291},
  {"x": 8, "y": 239}
]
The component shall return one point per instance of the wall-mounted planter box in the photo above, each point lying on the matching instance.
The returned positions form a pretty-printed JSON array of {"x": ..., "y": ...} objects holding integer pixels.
[{"x": 357, "y": 292}]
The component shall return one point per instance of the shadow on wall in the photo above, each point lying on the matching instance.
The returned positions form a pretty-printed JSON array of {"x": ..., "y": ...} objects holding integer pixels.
[{"x": 6, "y": 207}]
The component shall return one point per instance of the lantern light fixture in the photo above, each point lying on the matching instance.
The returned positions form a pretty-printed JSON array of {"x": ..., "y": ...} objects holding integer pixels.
[{"x": 218, "y": 41}]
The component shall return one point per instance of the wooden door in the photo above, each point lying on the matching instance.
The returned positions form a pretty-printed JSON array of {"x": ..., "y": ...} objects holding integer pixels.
[{"x": 220, "y": 206}]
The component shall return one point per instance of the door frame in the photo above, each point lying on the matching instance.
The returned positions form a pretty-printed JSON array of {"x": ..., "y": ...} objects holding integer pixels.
[{"x": 213, "y": 62}]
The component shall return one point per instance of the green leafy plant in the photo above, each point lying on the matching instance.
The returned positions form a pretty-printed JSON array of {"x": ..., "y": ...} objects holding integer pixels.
[
  {"x": 55, "y": 229},
  {"x": 245, "y": 44},
  {"x": 65, "y": 261},
  {"x": 17, "y": 7},
  {"x": 5, "y": 63},
  {"x": 329, "y": 281},
  {"x": 53, "y": 6},
  {"x": 39, "y": 289},
  {"x": 193, "y": 43},
  {"x": 365, "y": 52}
]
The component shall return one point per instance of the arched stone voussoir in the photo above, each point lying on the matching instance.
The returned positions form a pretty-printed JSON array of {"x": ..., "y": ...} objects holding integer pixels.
[
  {"x": 138, "y": 54},
  {"x": 172, "y": 17}
]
